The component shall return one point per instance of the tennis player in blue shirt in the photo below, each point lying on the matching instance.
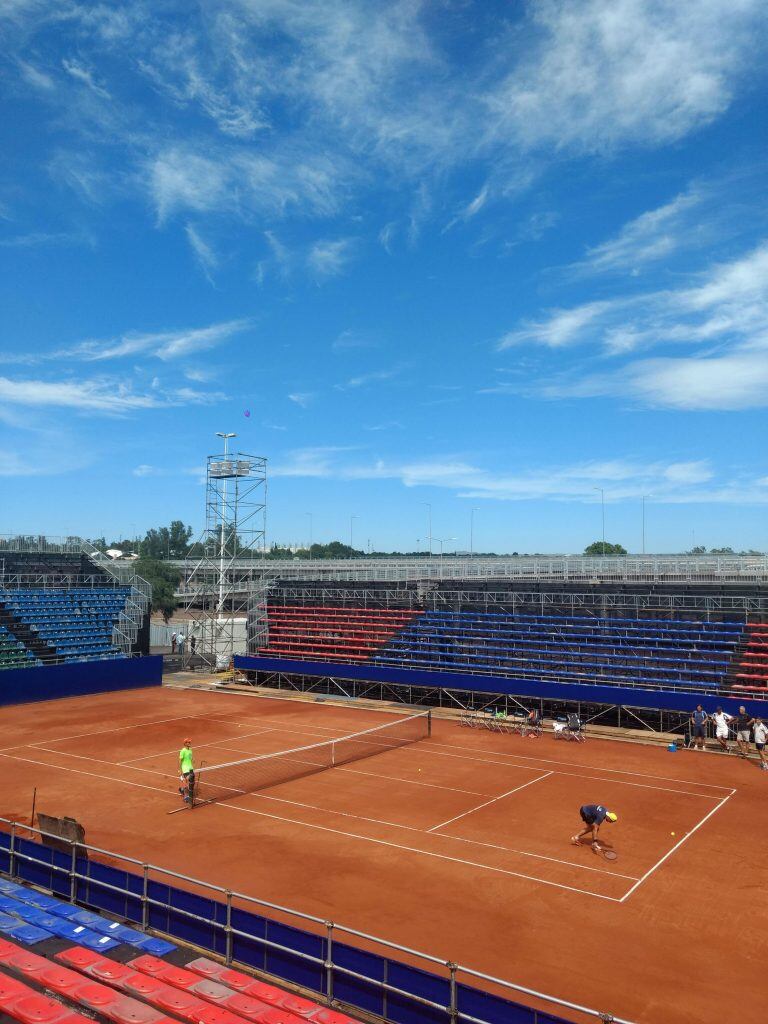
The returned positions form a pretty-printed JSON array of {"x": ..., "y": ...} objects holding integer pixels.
[{"x": 593, "y": 816}]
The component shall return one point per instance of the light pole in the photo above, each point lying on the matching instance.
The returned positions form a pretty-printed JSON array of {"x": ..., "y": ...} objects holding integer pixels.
[
  {"x": 310, "y": 532},
  {"x": 472, "y": 530},
  {"x": 644, "y": 497},
  {"x": 351, "y": 524},
  {"x": 441, "y": 541},
  {"x": 602, "y": 513},
  {"x": 429, "y": 524},
  {"x": 225, "y": 438}
]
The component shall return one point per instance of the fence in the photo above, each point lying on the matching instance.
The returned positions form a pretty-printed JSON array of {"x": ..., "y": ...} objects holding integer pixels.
[{"x": 391, "y": 981}]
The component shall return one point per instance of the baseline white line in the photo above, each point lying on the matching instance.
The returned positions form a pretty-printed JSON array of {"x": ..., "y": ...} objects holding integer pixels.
[
  {"x": 575, "y": 764},
  {"x": 101, "y": 732},
  {"x": 677, "y": 846},
  {"x": 489, "y": 802},
  {"x": 78, "y": 771},
  {"x": 424, "y": 853},
  {"x": 525, "y": 767},
  {"x": 538, "y": 856}
]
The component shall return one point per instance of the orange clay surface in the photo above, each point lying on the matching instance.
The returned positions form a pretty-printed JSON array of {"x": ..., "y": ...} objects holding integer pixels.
[{"x": 457, "y": 845}]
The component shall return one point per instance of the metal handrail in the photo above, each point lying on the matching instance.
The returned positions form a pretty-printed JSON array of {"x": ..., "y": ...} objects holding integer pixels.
[{"x": 330, "y": 928}]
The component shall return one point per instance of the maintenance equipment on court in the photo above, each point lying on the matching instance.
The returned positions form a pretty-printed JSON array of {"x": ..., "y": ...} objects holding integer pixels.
[{"x": 236, "y": 778}]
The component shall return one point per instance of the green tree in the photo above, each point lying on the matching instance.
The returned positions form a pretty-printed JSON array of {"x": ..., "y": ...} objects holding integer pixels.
[
  {"x": 599, "y": 547},
  {"x": 163, "y": 579}
]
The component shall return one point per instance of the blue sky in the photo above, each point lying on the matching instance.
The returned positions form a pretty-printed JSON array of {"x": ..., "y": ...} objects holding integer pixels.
[{"x": 480, "y": 255}]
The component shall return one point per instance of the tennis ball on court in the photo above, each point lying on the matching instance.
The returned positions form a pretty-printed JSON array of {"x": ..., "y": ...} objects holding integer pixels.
[{"x": 671, "y": 833}]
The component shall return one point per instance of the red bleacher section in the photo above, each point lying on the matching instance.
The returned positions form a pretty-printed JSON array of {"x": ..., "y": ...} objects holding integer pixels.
[
  {"x": 752, "y": 670},
  {"x": 319, "y": 633},
  {"x": 146, "y": 990}
]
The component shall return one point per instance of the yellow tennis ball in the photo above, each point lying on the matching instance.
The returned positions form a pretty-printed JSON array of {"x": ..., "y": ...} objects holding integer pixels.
[{"x": 671, "y": 833}]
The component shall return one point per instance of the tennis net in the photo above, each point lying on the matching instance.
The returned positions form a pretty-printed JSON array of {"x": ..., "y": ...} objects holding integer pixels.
[{"x": 236, "y": 778}]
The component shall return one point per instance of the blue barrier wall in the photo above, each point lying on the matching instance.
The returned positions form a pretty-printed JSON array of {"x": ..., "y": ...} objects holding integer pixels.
[
  {"x": 300, "y": 958},
  {"x": 627, "y": 696},
  {"x": 47, "y": 682}
]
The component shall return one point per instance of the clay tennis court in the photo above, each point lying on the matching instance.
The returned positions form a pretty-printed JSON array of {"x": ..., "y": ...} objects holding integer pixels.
[{"x": 457, "y": 845}]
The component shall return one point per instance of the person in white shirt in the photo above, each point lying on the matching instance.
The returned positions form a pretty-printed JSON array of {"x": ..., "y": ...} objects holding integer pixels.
[
  {"x": 721, "y": 720},
  {"x": 760, "y": 733}
]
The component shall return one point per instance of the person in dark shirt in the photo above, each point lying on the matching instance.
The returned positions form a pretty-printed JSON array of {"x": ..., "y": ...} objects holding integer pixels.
[
  {"x": 593, "y": 816},
  {"x": 699, "y": 721},
  {"x": 743, "y": 723}
]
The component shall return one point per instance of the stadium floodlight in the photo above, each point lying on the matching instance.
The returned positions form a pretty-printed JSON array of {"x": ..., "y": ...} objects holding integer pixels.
[{"x": 225, "y": 596}]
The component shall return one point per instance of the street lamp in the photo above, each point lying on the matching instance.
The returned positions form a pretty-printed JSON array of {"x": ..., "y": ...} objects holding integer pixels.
[
  {"x": 429, "y": 524},
  {"x": 644, "y": 497},
  {"x": 441, "y": 541},
  {"x": 472, "y": 530},
  {"x": 602, "y": 511},
  {"x": 310, "y": 532}
]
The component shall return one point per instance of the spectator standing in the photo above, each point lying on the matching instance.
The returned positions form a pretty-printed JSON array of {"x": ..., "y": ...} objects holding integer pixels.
[
  {"x": 699, "y": 721},
  {"x": 743, "y": 723},
  {"x": 192, "y": 644},
  {"x": 721, "y": 720},
  {"x": 180, "y": 642},
  {"x": 173, "y": 642},
  {"x": 761, "y": 736}
]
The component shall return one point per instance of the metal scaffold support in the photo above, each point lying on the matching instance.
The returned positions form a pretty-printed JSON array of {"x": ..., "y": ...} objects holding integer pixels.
[{"x": 225, "y": 597}]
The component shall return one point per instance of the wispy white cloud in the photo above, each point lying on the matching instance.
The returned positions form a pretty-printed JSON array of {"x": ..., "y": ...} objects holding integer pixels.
[
  {"x": 672, "y": 482},
  {"x": 301, "y": 398},
  {"x": 363, "y": 379},
  {"x": 146, "y": 470},
  {"x": 331, "y": 257},
  {"x": 35, "y": 77},
  {"x": 164, "y": 345},
  {"x": 609, "y": 72},
  {"x": 84, "y": 75},
  {"x": 562, "y": 327},
  {"x": 652, "y": 236},
  {"x": 99, "y": 395},
  {"x": 204, "y": 253}
]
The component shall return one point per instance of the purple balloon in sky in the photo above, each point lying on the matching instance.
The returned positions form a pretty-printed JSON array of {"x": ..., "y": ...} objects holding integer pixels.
[{"x": 247, "y": 413}]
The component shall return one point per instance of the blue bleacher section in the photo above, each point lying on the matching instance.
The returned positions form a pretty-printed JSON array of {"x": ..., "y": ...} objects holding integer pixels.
[
  {"x": 74, "y": 622},
  {"x": 624, "y": 652},
  {"x": 32, "y": 917}
]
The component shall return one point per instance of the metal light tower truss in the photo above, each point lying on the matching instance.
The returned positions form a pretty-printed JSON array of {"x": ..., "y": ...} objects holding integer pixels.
[{"x": 225, "y": 597}]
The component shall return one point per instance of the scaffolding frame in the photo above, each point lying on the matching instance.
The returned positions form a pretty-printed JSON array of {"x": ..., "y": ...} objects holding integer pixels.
[{"x": 226, "y": 599}]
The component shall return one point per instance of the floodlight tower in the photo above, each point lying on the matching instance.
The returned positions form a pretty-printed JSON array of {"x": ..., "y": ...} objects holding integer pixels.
[{"x": 224, "y": 590}]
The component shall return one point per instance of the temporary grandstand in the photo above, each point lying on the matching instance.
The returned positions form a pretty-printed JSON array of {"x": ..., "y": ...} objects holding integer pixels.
[
  {"x": 623, "y": 640},
  {"x": 62, "y": 601}
]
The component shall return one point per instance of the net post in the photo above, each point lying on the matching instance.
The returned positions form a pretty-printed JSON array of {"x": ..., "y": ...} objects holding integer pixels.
[
  {"x": 429, "y": 722},
  {"x": 228, "y": 930},
  {"x": 144, "y": 896},
  {"x": 329, "y": 962}
]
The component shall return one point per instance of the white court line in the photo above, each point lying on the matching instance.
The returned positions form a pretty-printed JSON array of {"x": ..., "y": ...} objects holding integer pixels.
[
  {"x": 489, "y": 802},
  {"x": 520, "y": 757},
  {"x": 100, "y": 732},
  {"x": 677, "y": 846},
  {"x": 324, "y": 810},
  {"x": 576, "y": 775},
  {"x": 538, "y": 856},
  {"x": 198, "y": 746},
  {"x": 78, "y": 771},
  {"x": 100, "y": 760},
  {"x": 423, "y": 853},
  {"x": 575, "y": 764},
  {"x": 375, "y": 775}
]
